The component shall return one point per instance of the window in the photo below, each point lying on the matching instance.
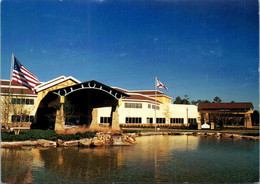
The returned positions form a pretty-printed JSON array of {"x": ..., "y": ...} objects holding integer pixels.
[
  {"x": 22, "y": 101},
  {"x": 157, "y": 107},
  {"x": 133, "y": 120},
  {"x": 160, "y": 120},
  {"x": 105, "y": 119},
  {"x": 149, "y": 106},
  {"x": 23, "y": 118},
  {"x": 192, "y": 120},
  {"x": 15, "y": 118},
  {"x": 133, "y": 105},
  {"x": 149, "y": 120},
  {"x": 177, "y": 120}
]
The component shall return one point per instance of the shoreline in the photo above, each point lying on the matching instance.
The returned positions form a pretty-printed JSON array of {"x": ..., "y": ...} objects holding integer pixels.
[{"x": 124, "y": 139}]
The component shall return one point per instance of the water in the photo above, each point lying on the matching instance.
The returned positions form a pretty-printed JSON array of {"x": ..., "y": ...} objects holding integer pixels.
[{"x": 153, "y": 159}]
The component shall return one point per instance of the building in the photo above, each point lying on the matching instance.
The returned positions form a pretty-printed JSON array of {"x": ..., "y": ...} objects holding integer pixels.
[
  {"x": 95, "y": 103},
  {"x": 227, "y": 114}
]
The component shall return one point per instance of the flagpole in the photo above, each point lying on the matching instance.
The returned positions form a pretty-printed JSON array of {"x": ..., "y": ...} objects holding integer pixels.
[
  {"x": 9, "y": 91},
  {"x": 155, "y": 103}
]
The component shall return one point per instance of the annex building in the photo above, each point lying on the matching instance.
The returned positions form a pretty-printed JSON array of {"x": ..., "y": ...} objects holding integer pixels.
[{"x": 66, "y": 101}]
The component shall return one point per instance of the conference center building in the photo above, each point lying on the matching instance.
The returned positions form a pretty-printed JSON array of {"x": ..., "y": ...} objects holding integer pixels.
[{"x": 66, "y": 100}]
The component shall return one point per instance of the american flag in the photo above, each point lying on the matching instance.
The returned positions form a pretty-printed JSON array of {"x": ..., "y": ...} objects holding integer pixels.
[
  {"x": 160, "y": 85},
  {"x": 23, "y": 76}
]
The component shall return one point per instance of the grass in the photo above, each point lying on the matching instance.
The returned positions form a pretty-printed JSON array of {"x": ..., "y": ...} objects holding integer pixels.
[{"x": 44, "y": 134}]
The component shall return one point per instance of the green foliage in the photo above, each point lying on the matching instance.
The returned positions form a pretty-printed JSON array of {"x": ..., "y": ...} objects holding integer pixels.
[
  {"x": 43, "y": 134},
  {"x": 178, "y": 100},
  {"x": 131, "y": 131},
  {"x": 217, "y": 99}
]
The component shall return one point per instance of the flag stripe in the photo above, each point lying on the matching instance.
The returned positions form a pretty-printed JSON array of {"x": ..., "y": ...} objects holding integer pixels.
[
  {"x": 30, "y": 74},
  {"x": 23, "y": 76}
]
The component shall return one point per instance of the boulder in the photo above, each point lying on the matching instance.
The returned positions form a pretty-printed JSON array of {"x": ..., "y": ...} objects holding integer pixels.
[
  {"x": 71, "y": 143},
  {"x": 11, "y": 144},
  {"x": 29, "y": 143},
  {"x": 85, "y": 142},
  {"x": 130, "y": 140},
  {"x": 46, "y": 143},
  {"x": 97, "y": 143}
]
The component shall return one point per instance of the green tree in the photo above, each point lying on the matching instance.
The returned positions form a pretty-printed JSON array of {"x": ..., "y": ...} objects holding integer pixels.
[
  {"x": 217, "y": 99},
  {"x": 178, "y": 100}
]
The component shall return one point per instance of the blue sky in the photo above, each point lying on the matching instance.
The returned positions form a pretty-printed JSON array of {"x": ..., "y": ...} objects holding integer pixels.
[{"x": 197, "y": 47}]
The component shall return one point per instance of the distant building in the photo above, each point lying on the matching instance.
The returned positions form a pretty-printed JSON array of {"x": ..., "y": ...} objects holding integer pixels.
[{"x": 236, "y": 114}]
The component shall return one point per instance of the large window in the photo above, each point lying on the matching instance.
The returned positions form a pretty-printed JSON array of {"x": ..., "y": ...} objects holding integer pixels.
[
  {"x": 22, "y": 101},
  {"x": 153, "y": 107},
  {"x": 23, "y": 118},
  {"x": 133, "y": 120},
  {"x": 133, "y": 105},
  {"x": 160, "y": 120},
  {"x": 149, "y": 120},
  {"x": 192, "y": 120},
  {"x": 177, "y": 120},
  {"x": 105, "y": 119}
]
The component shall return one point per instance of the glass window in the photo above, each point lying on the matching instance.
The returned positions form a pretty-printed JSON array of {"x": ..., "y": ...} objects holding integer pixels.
[
  {"x": 13, "y": 100},
  {"x": 15, "y": 118}
]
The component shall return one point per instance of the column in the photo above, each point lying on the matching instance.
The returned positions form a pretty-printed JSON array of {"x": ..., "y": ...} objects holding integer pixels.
[
  {"x": 94, "y": 116},
  {"x": 248, "y": 120},
  {"x": 60, "y": 120},
  {"x": 115, "y": 118}
]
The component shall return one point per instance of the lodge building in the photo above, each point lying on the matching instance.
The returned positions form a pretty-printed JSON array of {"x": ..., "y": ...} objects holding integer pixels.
[{"x": 95, "y": 105}]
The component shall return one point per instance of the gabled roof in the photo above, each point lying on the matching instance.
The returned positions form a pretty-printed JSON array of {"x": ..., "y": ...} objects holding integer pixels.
[
  {"x": 54, "y": 82},
  {"x": 217, "y": 106},
  {"x": 92, "y": 84}
]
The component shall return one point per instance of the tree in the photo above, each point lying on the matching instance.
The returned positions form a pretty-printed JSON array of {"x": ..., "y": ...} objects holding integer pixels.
[
  {"x": 217, "y": 99},
  {"x": 178, "y": 100},
  {"x": 15, "y": 105}
]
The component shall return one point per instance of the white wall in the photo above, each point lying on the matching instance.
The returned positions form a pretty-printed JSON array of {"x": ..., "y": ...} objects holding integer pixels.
[{"x": 173, "y": 110}]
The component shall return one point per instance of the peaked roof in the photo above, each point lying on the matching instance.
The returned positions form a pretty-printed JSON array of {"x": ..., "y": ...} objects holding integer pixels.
[
  {"x": 235, "y": 105},
  {"x": 53, "y": 82},
  {"x": 92, "y": 84}
]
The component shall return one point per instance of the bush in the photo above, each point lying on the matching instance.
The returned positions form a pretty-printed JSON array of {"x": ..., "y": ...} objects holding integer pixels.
[
  {"x": 43, "y": 134},
  {"x": 131, "y": 131}
]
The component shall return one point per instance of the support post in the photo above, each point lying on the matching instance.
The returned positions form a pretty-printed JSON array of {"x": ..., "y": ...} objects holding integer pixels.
[
  {"x": 248, "y": 120},
  {"x": 94, "y": 117},
  {"x": 212, "y": 126},
  {"x": 60, "y": 120},
  {"x": 115, "y": 118}
]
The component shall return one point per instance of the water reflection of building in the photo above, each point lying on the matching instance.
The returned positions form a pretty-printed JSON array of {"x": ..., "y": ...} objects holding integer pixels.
[{"x": 17, "y": 164}]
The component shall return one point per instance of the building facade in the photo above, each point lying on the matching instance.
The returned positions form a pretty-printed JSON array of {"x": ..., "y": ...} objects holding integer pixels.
[
  {"x": 138, "y": 108},
  {"x": 97, "y": 104}
]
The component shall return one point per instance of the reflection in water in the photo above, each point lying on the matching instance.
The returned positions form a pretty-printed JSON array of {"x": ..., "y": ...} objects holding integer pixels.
[{"x": 153, "y": 159}]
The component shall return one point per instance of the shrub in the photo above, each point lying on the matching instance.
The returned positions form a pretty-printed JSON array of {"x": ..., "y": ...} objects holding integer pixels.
[{"x": 43, "y": 134}]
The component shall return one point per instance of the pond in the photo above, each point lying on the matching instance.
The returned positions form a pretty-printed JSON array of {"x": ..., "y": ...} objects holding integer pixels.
[{"x": 154, "y": 159}]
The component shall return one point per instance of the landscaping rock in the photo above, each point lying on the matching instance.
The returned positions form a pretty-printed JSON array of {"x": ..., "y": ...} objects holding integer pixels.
[
  {"x": 29, "y": 143},
  {"x": 97, "y": 143},
  {"x": 85, "y": 142},
  {"x": 46, "y": 143},
  {"x": 71, "y": 143},
  {"x": 11, "y": 144},
  {"x": 130, "y": 140}
]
